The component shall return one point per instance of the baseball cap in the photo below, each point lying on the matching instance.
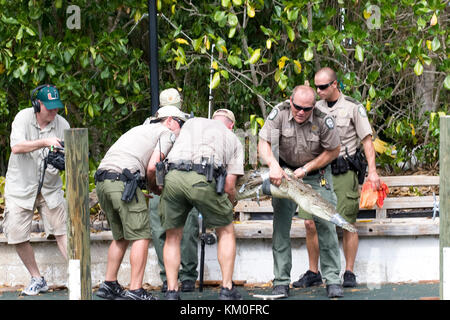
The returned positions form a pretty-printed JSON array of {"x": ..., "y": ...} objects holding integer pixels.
[
  {"x": 170, "y": 97},
  {"x": 49, "y": 96},
  {"x": 226, "y": 113},
  {"x": 171, "y": 111}
]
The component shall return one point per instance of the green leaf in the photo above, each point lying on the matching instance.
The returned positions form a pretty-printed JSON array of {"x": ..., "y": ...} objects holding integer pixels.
[
  {"x": 308, "y": 54},
  {"x": 90, "y": 111},
  {"x": 359, "y": 53},
  {"x": 372, "y": 92},
  {"x": 233, "y": 20},
  {"x": 255, "y": 56},
  {"x": 418, "y": 68},
  {"x": 225, "y": 3},
  {"x": 120, "y": 100},
  {"x": 447, "y": 82},
  {"x": 215, "y": 80},
  {"x": 291, "y": 33},
  {"x": 50, "y": 69},
  {"x": 435, "y": 44}
]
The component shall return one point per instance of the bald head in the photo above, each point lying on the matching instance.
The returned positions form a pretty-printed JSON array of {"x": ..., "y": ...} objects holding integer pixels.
[
  {"x": 305, "y": 93},
  {"x": 327, "y": 73}
]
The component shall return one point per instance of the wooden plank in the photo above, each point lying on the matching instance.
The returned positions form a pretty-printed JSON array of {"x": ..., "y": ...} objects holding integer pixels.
[
  {"x": 78, "y": 230},
  {"x": 444, "y": 207},
  {"x": 410, "y": 181},
  {"x": 262, "y": 229}
]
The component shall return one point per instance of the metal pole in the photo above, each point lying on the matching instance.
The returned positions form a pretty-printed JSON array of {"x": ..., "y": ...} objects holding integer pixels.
[
  {"x": 210, "y": 82},
  {"x": 153, "y": 37},
  {"x": 444, "y": 207}
]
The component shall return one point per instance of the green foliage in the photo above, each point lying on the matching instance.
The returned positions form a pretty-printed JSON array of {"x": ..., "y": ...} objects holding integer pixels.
[{"x": 385, "y": 53}]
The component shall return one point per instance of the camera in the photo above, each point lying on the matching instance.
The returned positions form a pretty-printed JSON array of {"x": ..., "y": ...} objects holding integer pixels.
[{"x": 56, "y": 157}]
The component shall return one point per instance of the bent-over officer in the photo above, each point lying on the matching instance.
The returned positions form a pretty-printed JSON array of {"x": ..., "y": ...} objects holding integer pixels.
[
  {"x": 308, "y": 142},
  {"x": 203, "y": 164},
  {"x": 189, "y": 242},
  {"x": 128, "y": 167}
]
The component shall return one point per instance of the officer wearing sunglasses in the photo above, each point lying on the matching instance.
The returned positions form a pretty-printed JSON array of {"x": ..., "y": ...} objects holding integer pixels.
[
  {"x": 354, "y": 128},
  {"x": 308, "y": 142}
]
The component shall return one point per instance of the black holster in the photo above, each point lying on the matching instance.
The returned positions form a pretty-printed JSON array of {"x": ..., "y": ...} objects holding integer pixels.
[
  {"x": 131, "y": 184},
  {"x": 220, "y": 175},
  {"x": 358, "y": 163},
  {"x": 339, "y": 166}
]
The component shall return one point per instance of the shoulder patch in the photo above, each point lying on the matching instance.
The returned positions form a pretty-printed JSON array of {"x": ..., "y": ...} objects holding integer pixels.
[
  {"x": 273, "y": 114},
  {"x": 318, "y": 113},
  {"x": 362, "y": 111},
  {"x": 329, "y": 122},
  {"x": 351, "y": 100}
]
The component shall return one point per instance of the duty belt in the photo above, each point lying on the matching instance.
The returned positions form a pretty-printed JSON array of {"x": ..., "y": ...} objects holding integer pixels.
[
  {"x": 188, "y": 166},
  {"x": 102, "y": 175}
]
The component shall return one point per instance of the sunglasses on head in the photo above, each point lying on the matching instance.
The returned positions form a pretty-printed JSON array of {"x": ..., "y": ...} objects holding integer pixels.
[
  {"x": 180, "y": 122},
  {"x": 300, "y": 108},
  {"x": 324, "y": 86}
]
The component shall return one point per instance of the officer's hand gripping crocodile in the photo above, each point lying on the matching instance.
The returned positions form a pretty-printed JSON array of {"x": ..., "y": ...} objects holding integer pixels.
[{"x": 253, "y": 182}]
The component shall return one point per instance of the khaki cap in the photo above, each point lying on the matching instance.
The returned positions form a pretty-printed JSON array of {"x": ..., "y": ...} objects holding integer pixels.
[
  {"x": 226, "y": 113},
  {"x": 170, "y": 97},
  {"x": 171, "y": 111}
]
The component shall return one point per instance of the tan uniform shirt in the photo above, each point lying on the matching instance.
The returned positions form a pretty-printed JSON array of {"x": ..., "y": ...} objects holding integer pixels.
[
  {"x": 135, "y": 147},
  {"x": 351, "y": 121},
  {"x": 201, "y": 137},
  {"x": 25, "y": 169},
  {"x": 299, "y": 143}
]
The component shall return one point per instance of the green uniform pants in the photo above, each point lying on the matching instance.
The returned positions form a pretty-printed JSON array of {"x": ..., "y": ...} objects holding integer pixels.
[
  {"x": 284, "y": 210},
  {"x": 189, "y": 256},
  {"x": 347, "y": 192}
]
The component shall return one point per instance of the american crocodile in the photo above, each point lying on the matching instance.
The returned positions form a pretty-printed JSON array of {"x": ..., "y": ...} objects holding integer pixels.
[{"x": 257, "y": 182}]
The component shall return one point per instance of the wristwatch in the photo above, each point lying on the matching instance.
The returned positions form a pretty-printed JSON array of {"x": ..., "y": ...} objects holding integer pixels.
[{"x": 304, "y": 170}]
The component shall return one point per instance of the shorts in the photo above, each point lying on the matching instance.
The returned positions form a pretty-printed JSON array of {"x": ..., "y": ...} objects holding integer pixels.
[
  {"x": 346, "y": 188},
  {"x": 184, "y": 190},
  {"x": 17, "y": 223},
  {"x": 129, "y": 221}
]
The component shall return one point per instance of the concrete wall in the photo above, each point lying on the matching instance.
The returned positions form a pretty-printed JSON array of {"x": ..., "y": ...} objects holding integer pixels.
[{"x": 379, "y": 260}]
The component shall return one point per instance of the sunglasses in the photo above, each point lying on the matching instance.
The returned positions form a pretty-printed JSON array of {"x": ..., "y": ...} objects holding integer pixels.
[
  {"x": 180, "y": 122},
  {"x": 324, "y": 86},
  {"x": 300, "y": 108}
]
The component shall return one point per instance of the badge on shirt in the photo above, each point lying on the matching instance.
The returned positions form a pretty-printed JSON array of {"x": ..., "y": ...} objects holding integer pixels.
[
  {"x": 173, "y": 137},
  {"x": 329, "y": 122},
  {"x": 273, "y": 114},
  {"x": 314, "y": 128},
  {"x": 362, "y": 111}
]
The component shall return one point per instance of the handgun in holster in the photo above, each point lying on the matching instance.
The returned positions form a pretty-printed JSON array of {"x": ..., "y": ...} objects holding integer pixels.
[
  {"x": 209, "y": 168},
  {"x": 358, "y": 163},
  {"x": 221, "y": 174},
  {"x": 131, "y": 184}
]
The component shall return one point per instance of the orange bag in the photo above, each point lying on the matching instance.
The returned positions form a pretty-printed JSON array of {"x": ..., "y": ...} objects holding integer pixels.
[{"x": 370, "y": 197}]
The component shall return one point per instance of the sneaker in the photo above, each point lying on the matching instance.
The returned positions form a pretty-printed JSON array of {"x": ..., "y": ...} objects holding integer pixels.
[
  {"x": 308, "y": 279},
  {"x": 110, "y": 290},
  {"x": 164, "y": 286},
  {"x": 187, "y": 286},
  {"x": 281, "y": 289},
  {"x": 334, "y": 291},
  {"x": 139, "y": 294},
  {"x": 349, "y": 279},
  {"x": 172, "y": 295},
  {"x": 230, "y": 294},
  {"x": 36, "y": 286}
]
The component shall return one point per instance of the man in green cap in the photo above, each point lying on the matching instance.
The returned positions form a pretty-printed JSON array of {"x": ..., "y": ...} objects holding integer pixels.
[{"x": 27, "y": 187}]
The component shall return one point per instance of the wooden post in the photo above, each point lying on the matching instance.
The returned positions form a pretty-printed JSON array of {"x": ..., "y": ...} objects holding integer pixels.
[
  {"x": 78, "y": 225},
  {"x": 444, "y": 208}
]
